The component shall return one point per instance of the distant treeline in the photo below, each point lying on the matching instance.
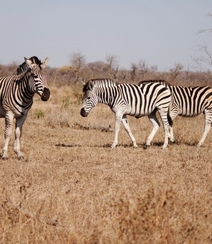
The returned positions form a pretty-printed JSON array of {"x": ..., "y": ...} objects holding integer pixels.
[{"x": 69, "y": 74}]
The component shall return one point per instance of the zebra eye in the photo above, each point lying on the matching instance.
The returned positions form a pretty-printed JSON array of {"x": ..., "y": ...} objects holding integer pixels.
[{"x": 89, "y": 97}]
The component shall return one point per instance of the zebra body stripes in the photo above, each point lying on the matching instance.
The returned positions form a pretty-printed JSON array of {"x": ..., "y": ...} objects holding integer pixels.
[
  {"x": 16, "y": 98},
  {"x": 130, "y": 99},
  {"x": 192, "y": 101}
]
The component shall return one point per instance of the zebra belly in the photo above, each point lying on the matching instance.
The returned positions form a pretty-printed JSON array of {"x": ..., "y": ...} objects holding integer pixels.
[
  {"x": 128, "y": 110},
  {"x": 189, "y": 113}
]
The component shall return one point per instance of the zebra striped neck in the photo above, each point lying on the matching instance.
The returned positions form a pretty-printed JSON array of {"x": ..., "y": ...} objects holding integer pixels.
[
  {"x": 105, "y": 90},
  {"x": 23, "y": 81},
  {"x": 107, "y": 95},
  {"x": 26, "y": 91}
]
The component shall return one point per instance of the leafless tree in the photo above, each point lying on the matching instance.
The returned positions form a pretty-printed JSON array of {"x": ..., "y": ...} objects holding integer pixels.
[
  {"x": 143, "y": 68},
  {"x": 174, "y": 72},
  {"x": 78, "y": 62},
  {"x": 112, "y": 62},
  {"x": 206, "y": 30},
  {"x": 204, "y": 59},
  {"x": 133, "y": 71}
]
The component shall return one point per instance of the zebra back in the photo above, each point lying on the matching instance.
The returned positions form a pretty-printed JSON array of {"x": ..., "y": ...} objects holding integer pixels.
[
  {"x": 162, "y": 82},
  {"x": 101, "y": 83}
]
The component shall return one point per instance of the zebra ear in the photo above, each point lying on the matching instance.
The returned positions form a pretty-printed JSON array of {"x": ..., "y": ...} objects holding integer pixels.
[
  {"x": 90, "y": 85},
  {"x": 83, "y": 82},
  {"x": 44, "y": 63},
  {"x": 28, "y": 61}
]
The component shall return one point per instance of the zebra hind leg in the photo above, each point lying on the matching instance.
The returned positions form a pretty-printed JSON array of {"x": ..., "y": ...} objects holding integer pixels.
[
  {"x": 170, "y": 130},
  {"x": 171, "y": 134},
  {"x": 152, "y": 117},
  {"x": 167, "y": 125},
  {"x": 208, "y": 120}
]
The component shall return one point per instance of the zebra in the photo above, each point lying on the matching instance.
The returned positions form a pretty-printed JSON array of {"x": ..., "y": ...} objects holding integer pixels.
[
  {"x": 16, "y": 98},
  {"x": 190, "y": 102},
  {"x": 130, "y": 99}
]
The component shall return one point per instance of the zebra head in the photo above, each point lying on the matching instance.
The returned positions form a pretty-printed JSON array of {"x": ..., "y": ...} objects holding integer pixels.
[
  {"x": 90, "y": 98},
  {"x": 38, "y": 82}
]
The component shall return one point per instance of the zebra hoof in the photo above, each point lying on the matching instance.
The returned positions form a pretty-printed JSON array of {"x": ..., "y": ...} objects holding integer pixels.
[
  {"x": 21, "y": 157},
  {"x": 171, "y": 142},
  {"x": 4, "y": 158},
  {"x": 4, "y": 155},
  {"x": 145, "y": 146},
  {"x": 113, "y": 145}
]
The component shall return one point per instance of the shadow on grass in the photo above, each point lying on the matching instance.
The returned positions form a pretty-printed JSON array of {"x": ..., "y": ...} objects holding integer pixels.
[
  {"x": 143, "y": 146},
  {"x": 92, "y": 146},
  {"x": 177, "y": 143}
]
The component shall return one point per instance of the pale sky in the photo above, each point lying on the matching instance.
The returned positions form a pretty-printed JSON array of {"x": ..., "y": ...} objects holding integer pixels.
[{"x": 160, "y": 32}]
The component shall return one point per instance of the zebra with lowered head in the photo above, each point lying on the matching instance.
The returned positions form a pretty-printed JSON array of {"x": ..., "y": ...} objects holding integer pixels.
[
  {"x": 130, "y": 99},
  {"x": 16, "y": 98},
  {"x": 190, "y": 102}
]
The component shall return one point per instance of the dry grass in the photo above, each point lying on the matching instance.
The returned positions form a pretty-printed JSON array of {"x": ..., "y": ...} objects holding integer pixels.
[{"x": 72, "y": 188}]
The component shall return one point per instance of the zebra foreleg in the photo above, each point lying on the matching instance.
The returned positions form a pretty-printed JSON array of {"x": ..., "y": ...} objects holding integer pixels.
[
  {"x": 117, "y": 128},
  {"x": 7, "y": 133},
  {"x": 127, "y": 128},
  {"x": 18, "y": 134}
]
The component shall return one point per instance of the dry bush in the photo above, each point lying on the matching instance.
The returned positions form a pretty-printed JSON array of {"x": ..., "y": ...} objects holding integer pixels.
[{"x": 72, "y": 188}]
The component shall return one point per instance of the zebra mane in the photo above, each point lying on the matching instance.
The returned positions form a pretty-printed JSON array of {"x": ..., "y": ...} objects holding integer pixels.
[
  {"x": 153, "y": 81},
  {"x": 18, "y": 77},
  {"x": 99, "y": 83},
  {"x": 24, "y": 66}
]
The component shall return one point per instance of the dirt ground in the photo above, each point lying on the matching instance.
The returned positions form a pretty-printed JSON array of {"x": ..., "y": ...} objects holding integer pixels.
[{"x": 72, "y": 187}]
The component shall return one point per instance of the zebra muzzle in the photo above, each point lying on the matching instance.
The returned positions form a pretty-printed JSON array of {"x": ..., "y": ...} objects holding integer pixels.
[
  {"x": 83, "y": 113},
  {"x": 46, "y": 94}
]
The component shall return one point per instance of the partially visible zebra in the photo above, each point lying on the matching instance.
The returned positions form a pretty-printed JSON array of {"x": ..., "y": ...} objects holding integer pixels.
[
  {"x": 16, "y": 98},
  {"x": 192, "y": 101},
  {"x": 130, "y": 99}
]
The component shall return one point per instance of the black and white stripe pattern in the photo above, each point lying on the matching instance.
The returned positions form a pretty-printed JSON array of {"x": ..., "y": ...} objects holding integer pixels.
[
  {"x": 16, "y": 98},
  {"x": 192, "y": 101},
  {"x": 140, "y": 100}
]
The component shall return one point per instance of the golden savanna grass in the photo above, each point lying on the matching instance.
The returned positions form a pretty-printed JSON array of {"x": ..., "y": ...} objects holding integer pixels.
[{"x": 72, "y": 188}]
